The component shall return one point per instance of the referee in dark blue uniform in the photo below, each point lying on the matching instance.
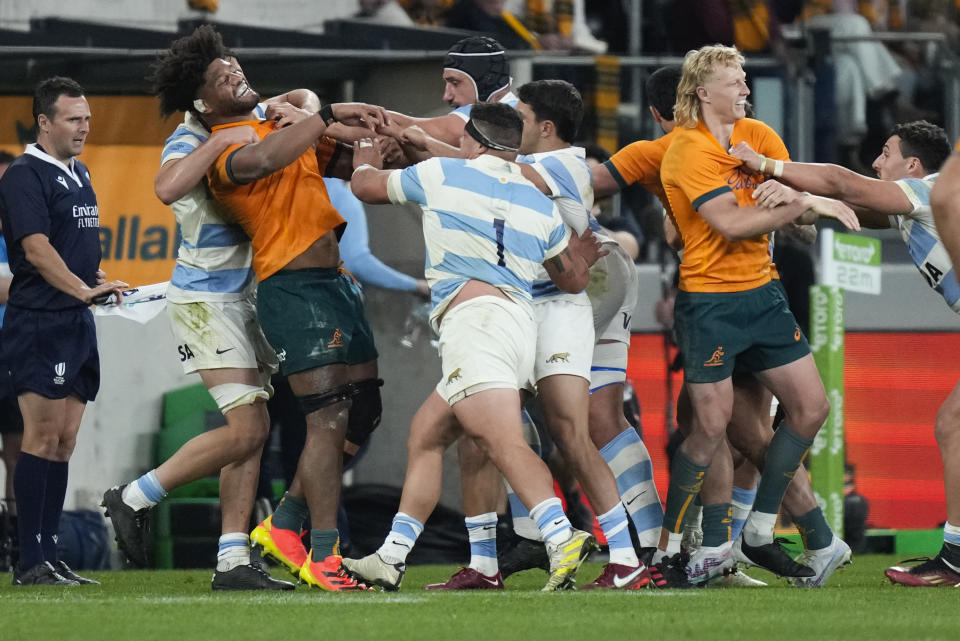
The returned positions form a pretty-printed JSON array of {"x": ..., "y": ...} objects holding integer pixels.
[{"x": 51, "y": 225}]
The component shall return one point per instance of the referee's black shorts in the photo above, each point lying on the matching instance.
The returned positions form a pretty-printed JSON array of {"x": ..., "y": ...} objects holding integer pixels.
[{"x": 52, "y": 353}]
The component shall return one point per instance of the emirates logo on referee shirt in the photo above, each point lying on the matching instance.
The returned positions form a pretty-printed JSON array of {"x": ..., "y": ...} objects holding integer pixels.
[{"x": 59, "y": 369}]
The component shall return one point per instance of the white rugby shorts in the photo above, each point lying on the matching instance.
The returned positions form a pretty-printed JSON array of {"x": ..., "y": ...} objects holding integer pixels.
[
  {"x": 564, "y": 337},
  {"x": 613, "y": 291},
  {"x": 609, "y": 364},
  {"x": 216, "y": 335},
  {"x": 485, "y": 343}
]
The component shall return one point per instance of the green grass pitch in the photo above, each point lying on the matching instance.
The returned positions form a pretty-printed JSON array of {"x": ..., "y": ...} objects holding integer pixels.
[{"x": 178, "y": 605}]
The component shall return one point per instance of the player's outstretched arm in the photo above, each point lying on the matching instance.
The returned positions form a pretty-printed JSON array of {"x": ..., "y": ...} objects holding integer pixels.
[
  {"x": 178, "y": 176},
  {"x": 945, "y": 202},
  {"x": 772, "y": 193},
  {"x": 41, "y": 254},
  {"x": 276, "y": 151},
  {"x": 604, "y": 184},
  {"x": 832, "y": 181},
  {"x": 447, "y": 128},
  {"x": 302, "y": 98},
  {"x": 820, "y": 207}
]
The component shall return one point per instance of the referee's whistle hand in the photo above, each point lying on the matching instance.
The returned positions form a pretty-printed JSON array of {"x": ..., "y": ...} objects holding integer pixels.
[{"x": 104, "y": 290}]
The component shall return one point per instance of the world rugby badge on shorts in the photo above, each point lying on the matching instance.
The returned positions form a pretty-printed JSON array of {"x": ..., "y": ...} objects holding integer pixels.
[{"x": 59, "y": 369}]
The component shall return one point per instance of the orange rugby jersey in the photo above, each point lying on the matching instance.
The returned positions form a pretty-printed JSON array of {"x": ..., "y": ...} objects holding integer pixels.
[
  {"x": 639, "y": 163},
  {"x": 283, "y": 213},
  {"x": 697, "y": 169}
]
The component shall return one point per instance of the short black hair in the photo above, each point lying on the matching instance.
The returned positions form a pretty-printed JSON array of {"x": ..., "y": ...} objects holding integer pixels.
[
  {"x": 924, "y": 141},
  {"x": 557, "y": 101},
  {"x": 499, "y": 122},
  {"x": 177, "y": 73},
  {"x": 48, "y": 91},
  {"x": 6, "y": 157},
  {"x": 661, "y": 89}
]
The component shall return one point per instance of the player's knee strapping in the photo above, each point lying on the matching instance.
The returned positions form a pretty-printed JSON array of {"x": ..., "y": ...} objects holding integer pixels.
[
  {"x": 366, "y": 411},
  {"x": 310, "y": 403},
  {"x": 231, "y": 395}
]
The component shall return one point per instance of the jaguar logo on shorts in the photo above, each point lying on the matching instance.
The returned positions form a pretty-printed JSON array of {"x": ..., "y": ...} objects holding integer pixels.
[
  {"x": 562, "y": 357},
  {"x": 717, "y": 359},
  {"x": 454, "y": 376},
  {"x": 282, "y": 355},
  {"x": 337, "y": 340},
  {"x": 59, "y": 369},
  {"x": 797, "y": 334}
]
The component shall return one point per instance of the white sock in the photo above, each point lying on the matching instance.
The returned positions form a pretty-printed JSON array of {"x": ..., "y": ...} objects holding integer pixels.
[
  {"x": 758, "y": 529},
  {"x": 233, "y": 550},
  {"x": 673, "y": 542}
]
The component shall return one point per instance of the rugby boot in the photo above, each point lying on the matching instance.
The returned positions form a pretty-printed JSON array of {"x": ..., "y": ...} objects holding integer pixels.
[
  {"x": 522, "y": 554},
  {"x": 64, "y": 570},
  {"x": 734, "y": 578},
  {"x": 41, "y": 574},
  {"x": 373, "y": 570},
  {"x": 823, "y": 562},
  {"x": 284, "y": 547},
  {"x": 247, "y": 577},
  {"x": 670, "y": 573},
  {"x": 129, "y": 527},
  {"x": 620, "y": 577},
  {"x": 329, "y": 575},
  {"x": 771, "y": 556},
  {"x": 706, "y": 563},
  {"x": 566, "y": 558},
  {"x": 929, "y": 572},
  {"x": 469, "y": 579}
]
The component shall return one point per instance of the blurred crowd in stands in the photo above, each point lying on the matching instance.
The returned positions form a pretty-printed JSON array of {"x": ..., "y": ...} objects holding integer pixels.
[{"x": 877, "y": 81}]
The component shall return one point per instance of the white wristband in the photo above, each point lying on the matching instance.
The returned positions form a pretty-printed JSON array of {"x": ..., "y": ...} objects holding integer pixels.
[
  {"x": 778, "y": 169},
  {"x": 362, "y": 167}
]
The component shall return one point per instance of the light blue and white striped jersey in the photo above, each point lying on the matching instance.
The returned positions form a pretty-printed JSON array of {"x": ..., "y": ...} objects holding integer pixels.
[
  {"x": 214, "y": 261},
  {"x": 482, "y": 220},
  {"x": 567, "y": 175},
  {"x": 923, "y": 241},
  {"x": 508, "y": 98}
]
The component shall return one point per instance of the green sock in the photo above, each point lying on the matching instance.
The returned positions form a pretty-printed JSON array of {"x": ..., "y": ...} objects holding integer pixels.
[
  {"x": 814, "y": 531},
  {"x": 686, "y": 479},
  {"x": 784, "y": 454},
  {"x": 323, "y": 543},
  {"x": 717, "y": 521},
  {"x": 291, "y": 513}
]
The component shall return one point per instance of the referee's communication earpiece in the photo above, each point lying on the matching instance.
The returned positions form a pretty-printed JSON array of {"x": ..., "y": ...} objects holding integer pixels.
[{"x": 200, "y": 105}]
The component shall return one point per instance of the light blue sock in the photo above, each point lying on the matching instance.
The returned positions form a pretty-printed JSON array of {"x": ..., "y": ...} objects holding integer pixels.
[
  {"x": 482, "y": 532},
  {"x": 742, "y": 504},
  {"x": 523, "y": 525},
  {"x": 614, "y": 526},
  {"x": 630, "y": 463},
  {"x": 554, "y": 526},
  {"x": 145, "y": 492},
  {"x": 403, "y": 535}
]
